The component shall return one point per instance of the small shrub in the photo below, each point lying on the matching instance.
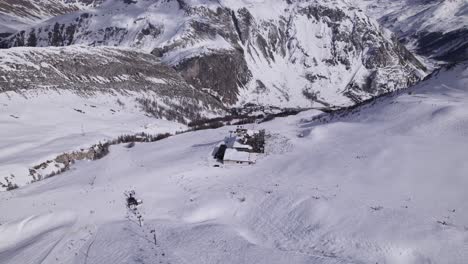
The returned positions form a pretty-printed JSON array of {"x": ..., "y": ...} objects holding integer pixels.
[
  {"x": 12, "y": 186},
  {"x": 130, "y": 145}
]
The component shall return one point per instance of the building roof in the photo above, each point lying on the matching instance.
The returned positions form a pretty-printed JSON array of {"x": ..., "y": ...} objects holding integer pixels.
[
  {"x": 233, "y": 142},
  {"x": 230, "y": 141},
  {"x": 235, "y": 155},
  {"x": 238, "y": 145},
  {"x": 252, "y": 132}
]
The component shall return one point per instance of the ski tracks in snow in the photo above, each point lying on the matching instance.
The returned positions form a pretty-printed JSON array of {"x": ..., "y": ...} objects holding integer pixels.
[{"x": 32, "y": 240}]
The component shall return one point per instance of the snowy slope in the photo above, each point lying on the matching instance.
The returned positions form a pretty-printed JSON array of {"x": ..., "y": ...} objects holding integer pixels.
[
  {"x": 36, "y": 126},
  {"x": 437, "y": 29},
  {"x": 384, "y": 183},
  {"x": 282, "y": 53},
  {"x": 56, "y": 100},
  {"x": 10, "y": 24},
  {"x": 15, "y": 15},
  {"x": 86, "y": 71}
]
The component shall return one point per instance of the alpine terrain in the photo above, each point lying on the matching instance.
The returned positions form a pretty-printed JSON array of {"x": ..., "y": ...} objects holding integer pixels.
[
  {"x": 437, "y": 29},
  {"x": 233, "y": 131}
]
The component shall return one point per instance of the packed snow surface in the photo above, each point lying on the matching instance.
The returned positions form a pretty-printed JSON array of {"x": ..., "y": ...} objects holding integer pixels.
[
  {"x": 385, "y": 183},
  {"x": 39, "y": 125}
]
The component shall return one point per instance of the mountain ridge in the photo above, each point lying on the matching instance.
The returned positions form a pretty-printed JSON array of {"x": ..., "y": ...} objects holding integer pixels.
[
  {"x": 86, "y": 71},
  {"x": 435, "y": 29},
  {"x": 16, "y": 15},
  {"x": 294, "y": 53}
]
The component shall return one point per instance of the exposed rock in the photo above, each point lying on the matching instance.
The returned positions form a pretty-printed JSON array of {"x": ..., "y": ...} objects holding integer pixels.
[
  {"x": 449, "y": 46},
  {"x": 221, "y": 72},
  {"x": 87, "y": 71},
  {"x": 229, "y": 50},
  {"x": 435, "y": 29}
]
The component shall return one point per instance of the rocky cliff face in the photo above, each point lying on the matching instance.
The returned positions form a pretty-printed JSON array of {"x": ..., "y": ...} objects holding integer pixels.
[
  {"x": 325, "y": 53},
  {"x": 158, "y": 89},
  {"x": 92, "y": 3},
  {"x": 436, "y": 29},
  {"x": 285, "y": 53}
]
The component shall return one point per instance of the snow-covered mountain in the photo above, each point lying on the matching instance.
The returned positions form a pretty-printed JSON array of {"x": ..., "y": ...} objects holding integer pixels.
[
  {"x": 381, "y": 183},
  {"x": 282, "y": 53},
  {"x": 18, "y": 14},
  {"x": 437, "y": 29},
  {"x": 105, "y": 70},
  {"x": 377, "y": 175},
  {"x": 64, "y": 99}
]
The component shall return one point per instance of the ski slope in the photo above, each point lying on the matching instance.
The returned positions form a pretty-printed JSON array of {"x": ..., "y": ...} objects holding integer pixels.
[
  {"x": 385, "y": 183},
  {"x": 39, "y": 125}
]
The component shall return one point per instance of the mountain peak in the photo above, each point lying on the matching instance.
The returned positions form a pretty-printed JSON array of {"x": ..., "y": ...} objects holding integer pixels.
[{"x": 294, "y": 53}]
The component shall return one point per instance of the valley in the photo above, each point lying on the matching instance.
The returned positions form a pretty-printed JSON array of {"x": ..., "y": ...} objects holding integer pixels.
[{"x": 233, "y": 131}]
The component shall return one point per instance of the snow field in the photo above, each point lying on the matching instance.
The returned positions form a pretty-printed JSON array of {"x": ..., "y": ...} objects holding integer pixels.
[
  {"x": 374, "y": 186},
  {"x": 37, "y": 126}
]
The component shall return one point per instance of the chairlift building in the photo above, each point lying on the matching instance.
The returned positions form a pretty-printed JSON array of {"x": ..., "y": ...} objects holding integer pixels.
[
  {"x": 235, "y": 157},
  {"x": 241, "y": 147}
]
